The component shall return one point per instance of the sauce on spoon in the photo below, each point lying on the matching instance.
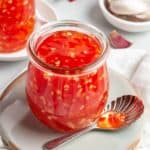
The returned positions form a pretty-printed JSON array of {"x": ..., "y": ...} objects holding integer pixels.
[{"x": 111, "y": 120}]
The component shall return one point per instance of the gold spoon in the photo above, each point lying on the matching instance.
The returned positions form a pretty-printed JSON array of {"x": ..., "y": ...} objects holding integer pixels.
[{"x": 119, "y": 114}]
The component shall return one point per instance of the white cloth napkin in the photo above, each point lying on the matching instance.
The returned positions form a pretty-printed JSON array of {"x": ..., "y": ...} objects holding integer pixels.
[
  {"x": 135, "y": 65},
  {"x": 141, "y": 79}
]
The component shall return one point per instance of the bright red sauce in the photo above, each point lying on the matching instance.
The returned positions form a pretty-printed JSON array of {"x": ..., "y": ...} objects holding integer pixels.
[
  {"x": 17, "y": 19},
  {"x": 67, "y": 103},
  {"x": 69, "y": 49},
  {"x": 111, "y": 120}
]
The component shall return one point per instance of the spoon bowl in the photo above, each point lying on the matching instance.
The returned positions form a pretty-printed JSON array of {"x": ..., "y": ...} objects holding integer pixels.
[{"x": 120, "y": 113}]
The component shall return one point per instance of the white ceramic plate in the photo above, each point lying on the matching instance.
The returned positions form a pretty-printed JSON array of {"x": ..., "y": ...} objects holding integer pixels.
[
  {"x": 21, "y": 129},
  {"x": 47, "y": 12}
]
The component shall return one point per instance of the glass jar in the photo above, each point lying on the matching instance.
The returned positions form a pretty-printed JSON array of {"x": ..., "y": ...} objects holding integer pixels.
[
  {"x": 67, "y": 99},
  {"x": 17, "y": 20}
]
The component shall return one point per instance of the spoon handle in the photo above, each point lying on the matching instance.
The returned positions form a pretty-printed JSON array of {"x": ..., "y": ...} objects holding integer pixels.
[{"x": 65, "y": 139}]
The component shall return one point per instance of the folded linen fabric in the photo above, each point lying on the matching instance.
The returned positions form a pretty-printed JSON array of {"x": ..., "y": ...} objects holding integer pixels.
[{"x": 135, "y": 65}]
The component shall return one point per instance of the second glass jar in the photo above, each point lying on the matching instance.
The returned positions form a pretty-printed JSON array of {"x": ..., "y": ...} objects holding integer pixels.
[{"x": 17, "y": 21}]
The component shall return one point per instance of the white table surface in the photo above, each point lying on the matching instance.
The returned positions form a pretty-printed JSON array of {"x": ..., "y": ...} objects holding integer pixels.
[{"x": 84, "y": 10}]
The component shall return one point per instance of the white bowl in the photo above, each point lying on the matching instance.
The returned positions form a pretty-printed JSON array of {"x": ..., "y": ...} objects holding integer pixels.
[{"x": 123, "y": 24}]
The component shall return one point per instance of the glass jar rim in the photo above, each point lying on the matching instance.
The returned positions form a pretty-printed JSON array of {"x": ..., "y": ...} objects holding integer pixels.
[{"x": 67, "y": 24}]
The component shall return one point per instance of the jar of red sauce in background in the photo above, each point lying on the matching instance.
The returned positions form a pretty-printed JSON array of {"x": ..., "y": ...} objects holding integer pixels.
[
  {"x": 17, "y": 20},
  {"x": 67, "y": 80}
]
